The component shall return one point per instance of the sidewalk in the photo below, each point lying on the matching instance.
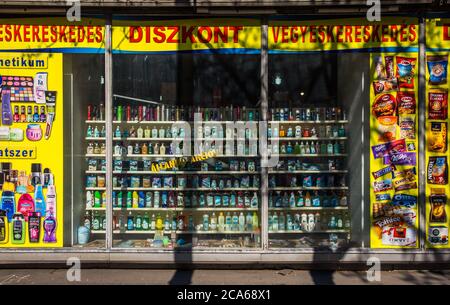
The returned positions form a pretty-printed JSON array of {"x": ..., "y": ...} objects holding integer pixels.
[{"x": 220, "y": 277}]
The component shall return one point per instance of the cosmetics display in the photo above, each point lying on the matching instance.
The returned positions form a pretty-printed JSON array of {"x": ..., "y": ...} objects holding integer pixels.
[
  {"x": 308, "y": 192},
  {"x": 160, "y": 190},
  {"x": 26, "y": 211}
]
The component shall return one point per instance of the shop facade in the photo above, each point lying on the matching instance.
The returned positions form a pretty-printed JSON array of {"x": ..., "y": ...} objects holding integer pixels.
[{"x": 250, "y": 139}]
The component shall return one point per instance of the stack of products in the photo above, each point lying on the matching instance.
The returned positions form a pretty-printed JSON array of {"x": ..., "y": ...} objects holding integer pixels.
[{"x": 437, "y": 150}]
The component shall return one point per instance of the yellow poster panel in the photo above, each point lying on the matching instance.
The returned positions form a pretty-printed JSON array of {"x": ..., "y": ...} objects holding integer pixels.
[
  {"x": 390, "y": 35},
  {"x": 438, "y": 34},
  {"x": 52, "y": 35},
  {"x": 31, "y": 150},
  {"x": 394, "y": 150},
  {"x": 437, "y": 152},
  {"x": 227, "y": 35}
]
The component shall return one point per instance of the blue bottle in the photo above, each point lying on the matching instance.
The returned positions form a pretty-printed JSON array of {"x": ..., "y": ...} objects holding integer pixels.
[
  {"x": 8, "y": 204},
  {"x": 39, "y": 200},
  {"x": 141, "y": 201}
]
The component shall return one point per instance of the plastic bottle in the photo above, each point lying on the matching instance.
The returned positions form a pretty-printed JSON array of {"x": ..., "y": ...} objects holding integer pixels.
[
  {"x": 292, "y": 200},
  {"x": 241, "y": 222},
  {"x": 138, "y": 225},
  {"x": 255, "y": 221},
  {"x": 228, "y": 222},
  {"x": 235, "y": 222},
  {"x": 281, "y": 222},
  {"x": 34, "y": 227},
  {"x": 213, "y": 224},
  {"x": 18, "y": 229},
  {"x": 153, "y": 223},
  {"x": 205, "y": 222},
  {"x": 39, "y": 200},
  {"x": 221, "y": 222},
  {"x": 49, "y": 226},
  {"x": 275, "y": 221},
  {"x": 130, "y": 222},
  {"x": 307, "y": 200},
  {"x": 4, "y": 227}
]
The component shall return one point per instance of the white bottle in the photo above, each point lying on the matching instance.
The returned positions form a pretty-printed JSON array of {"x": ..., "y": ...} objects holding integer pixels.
[
  {"x": 213, "y": 222},
  {"x": 89, "y": 199},
  {"x": 304, "y": 222},
  {"x": 140, "y": 132},
  {"x": 221, "y": 221},
  {"x": 241, "y": 222}
]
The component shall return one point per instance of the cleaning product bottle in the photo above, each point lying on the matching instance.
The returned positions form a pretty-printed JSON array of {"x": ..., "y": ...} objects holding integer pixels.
[
  {"x": 18, "y": 229},
  {"x": 4, "y": 227},
  {"x": 49, "y": 228},
  {"x": 8, "y": 204},
  {"x": 39, "y": 200},
  {"x": 34, "y": 227}
]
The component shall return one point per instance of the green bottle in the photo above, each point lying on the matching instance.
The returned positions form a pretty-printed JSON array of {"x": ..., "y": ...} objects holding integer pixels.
[
  {"x": 18, "y": 229},
  {"x": 129, "y": 199},
  {"x": 97, "y": 199},
  {"x": 146, "y": 222},
  {"x": 96, "y": 222},
  {"x": 138, "y": 222},
  {"x": 297, "y": 148}
]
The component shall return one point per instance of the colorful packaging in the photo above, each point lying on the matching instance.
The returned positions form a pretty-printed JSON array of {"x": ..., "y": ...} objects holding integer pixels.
[
  {"x": 437, "y": 170},
  {"x": 407, "y": 123},
  {"x": 389, "y": 64},
  {"x": 438, "y": 235},
  {"x": 437, "y": 137},
  {"x": 387, "y": 128},
  {"x": 382, "y": 197},
  {"x": 404, "y": 200},
  {"x": 405, "y": 158},
  {"x": 383, "y": 171},
  {"x": 384, "y": 105},
  {"x": 403, "y": 184},
  {"x": 406, "y": 102},
  {"x": 382, "y": 186},
  {"x": 437, "y": 104},
  {"x": 388, "y": 148},
  {"x": 385, "y": 85},
  {"x": 437, "y": 67},
  {"x": 438, "y": 201},
  {"x": 406, "y": 70},
  {"x": 409, "y": 174}
]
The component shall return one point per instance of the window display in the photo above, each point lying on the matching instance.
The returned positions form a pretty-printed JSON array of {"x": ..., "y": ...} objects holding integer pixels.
[
  {"x": 31, "y": 152},
  {"x": 394, "y": 155},
  {"x": 437, "y": 120}
]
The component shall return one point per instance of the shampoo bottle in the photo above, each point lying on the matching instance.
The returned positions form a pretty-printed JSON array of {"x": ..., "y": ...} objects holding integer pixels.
[
  {"x": 51, "y": 198},
  {"x": 4, "y": 227},
  {"x": 34, "y": 227},
  {"x": 49, "y": 228},
  {"x": 18, "y": 229},
  {"x": 8, "y": 204}
]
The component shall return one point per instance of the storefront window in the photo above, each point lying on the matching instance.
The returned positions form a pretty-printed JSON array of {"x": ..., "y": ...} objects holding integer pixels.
[
  {"x": 186, "y": 164},
  {"x": 315, "y": 115}
]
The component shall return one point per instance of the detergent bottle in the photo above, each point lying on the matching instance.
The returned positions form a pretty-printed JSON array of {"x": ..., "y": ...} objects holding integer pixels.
[
  {"x": 4, "y": 227},
  {"x": 18, "y": 229}
]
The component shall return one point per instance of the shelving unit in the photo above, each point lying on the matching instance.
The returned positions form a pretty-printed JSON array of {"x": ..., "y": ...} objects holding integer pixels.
[
  {"x": 281, "y": 194},
  {"x": 197, "y": 212}
]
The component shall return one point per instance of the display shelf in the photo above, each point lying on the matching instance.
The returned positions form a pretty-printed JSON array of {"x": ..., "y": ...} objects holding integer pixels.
[
  {"x": 307, "y": 139},
  {"x": 178, "y": 209},
  {"x": 95, "y": 122},
  {"x": 307, "y": 156},
  {"x": 177, "y": 232},
  {"x": 176, "y": 172},
  {"x": 95, "y": 155},
  {"x": 185, "y": 189},
  {"x": 308, "y": 208},
  {"x": 307, "y": 232},
  {"x": 309, "y": 172},
  {"x": 180, "y": 122},
  {"x": 300, "y": 188},
  {"x": 310, "y": 122},
  {"x": 95, "y": 188},
  {"x": 95, "y": 139}
]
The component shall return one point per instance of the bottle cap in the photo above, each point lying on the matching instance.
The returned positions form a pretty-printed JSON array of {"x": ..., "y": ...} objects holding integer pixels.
[{"x": 36, "y": 167}]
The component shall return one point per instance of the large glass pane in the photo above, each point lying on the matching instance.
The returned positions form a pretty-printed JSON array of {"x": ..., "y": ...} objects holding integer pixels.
[
  {"x": 178, "y": 181},
  {"x": 84, "y": 80},
  {"x": 315, "y": 131}
]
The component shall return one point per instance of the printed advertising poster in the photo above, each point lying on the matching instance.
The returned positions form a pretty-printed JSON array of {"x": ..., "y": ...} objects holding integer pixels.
[
  {"x": 437, "y": 123},
  {"x": 31, "y": 150},
  {"x": 394, "y": 150}
]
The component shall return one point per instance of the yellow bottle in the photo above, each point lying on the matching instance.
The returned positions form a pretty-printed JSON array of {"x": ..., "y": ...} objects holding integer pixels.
[
  {"x": 135, "y": 200},
  {"x": 4, "y": 228}
]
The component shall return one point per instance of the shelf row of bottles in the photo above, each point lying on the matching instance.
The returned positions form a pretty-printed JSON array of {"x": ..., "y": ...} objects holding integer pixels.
[
  {"x": 299, "y": 199},
  {"x": 173, "y": 113},
  {"x": 222, "y": 222},
  {"x": 307, "y": 148},
  {"x": 179, "y": 182},
  {"x": 216, "y": 132},
  {"x": 171, "y": 199},
  {"x": 314, "y": 114},
  {"x": 308, "y": 180},
  {"x": 309, "y": 222},
  {"x": 27, "y": 115},
  {"x": 156, "y": 167}
]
